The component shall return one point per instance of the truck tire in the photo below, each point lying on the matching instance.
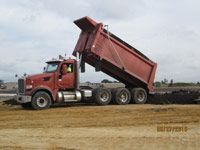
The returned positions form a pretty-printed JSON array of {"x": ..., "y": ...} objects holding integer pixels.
[
  {"x": 26, "y": 105},
  {"x": 41, "y": 100},
  {"x": 102, "y": 96},
  {"x": 121, "y": 96},
  {"x": 138, "y": 96}
]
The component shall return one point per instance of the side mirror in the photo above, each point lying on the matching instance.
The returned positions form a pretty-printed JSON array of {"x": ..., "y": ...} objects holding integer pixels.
[{"x": 64, "y": 69}]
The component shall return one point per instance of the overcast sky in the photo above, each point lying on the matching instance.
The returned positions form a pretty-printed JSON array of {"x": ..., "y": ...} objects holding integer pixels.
[{"x": 167, "y": 31}]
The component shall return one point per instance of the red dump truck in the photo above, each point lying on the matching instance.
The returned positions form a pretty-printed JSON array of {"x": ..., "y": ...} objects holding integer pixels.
[{"x": 102, "y": 50}]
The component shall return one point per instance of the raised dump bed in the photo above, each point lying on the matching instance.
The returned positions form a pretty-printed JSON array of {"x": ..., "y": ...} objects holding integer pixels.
[{"x": 108, "y": 53}]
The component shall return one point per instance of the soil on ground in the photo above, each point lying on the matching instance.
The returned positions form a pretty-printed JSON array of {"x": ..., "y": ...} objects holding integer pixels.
[{"x": 83, "y": 127}]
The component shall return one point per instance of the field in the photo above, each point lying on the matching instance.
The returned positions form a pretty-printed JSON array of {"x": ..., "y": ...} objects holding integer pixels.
[{"x": 83, "y": 127}]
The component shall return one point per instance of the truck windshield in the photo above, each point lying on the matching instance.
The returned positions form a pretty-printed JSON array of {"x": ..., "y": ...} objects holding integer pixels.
[{"x": 51, "y": 67}]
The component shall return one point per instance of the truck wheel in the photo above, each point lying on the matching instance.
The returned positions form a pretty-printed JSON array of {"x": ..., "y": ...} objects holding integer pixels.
[
  {"x": 102, "y": 96},
  {"x": 41, "y": 100},
  {"x": 139, "y": 96},
  {"x": 121, "y": 96},
  {"x": 26, "y": 105}
]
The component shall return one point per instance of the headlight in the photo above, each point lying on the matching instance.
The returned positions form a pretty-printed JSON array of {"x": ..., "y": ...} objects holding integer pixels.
[{"x": 28, "y": 87}]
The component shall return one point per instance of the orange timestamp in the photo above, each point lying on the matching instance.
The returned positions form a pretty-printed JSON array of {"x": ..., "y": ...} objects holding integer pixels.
[{"x": 172, "y": 128}]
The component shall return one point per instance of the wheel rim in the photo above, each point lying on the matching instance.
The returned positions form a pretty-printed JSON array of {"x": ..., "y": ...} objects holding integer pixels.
[
  {"x": 123, "y": 96},
  {"x": 41, "y": 101},
  {"x": 141, "y": 96},
  {"x": 104, "y": 96}
]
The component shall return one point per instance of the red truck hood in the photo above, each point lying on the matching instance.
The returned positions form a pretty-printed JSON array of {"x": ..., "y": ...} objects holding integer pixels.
[
  {"x": 45, "y": 80},
  {"x": 38, "y": 76}
]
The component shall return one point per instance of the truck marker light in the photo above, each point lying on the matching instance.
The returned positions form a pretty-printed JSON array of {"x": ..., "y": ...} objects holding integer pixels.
[{"x": 59, "y": 84}]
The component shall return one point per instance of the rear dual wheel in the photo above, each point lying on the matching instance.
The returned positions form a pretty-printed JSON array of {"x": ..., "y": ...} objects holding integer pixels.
[
  {"x": 121, "y": 96},
  {"x": 139, "y": 96},
  {"x": 101, "y": 96}
]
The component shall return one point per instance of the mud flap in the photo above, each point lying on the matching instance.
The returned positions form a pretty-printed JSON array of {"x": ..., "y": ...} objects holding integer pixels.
[
  {"x": 82, "y": 66},
  {"x": 98, "y": 65}
]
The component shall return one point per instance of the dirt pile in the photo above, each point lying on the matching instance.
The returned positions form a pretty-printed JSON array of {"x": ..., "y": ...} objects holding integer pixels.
[{"x": 176, "y": 97}]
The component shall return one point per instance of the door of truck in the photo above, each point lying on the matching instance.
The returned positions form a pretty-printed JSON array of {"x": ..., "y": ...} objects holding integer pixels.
[{"x": 67, "y": 81}]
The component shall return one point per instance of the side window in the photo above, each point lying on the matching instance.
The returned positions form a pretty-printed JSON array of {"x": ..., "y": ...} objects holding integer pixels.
[{"x": 70, "y": 68}]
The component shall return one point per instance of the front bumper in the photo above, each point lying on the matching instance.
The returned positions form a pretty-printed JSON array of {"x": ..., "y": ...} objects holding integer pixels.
[{"x": 23, "y": 98}]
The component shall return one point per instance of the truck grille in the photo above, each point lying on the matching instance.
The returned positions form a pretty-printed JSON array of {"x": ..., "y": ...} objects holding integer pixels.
[{"x": 21, "y": 86}]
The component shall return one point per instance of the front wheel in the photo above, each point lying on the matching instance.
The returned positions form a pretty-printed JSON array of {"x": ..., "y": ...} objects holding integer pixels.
[
  {"x": 139, "y": 96},
  {"x": 41, "y": 100}
]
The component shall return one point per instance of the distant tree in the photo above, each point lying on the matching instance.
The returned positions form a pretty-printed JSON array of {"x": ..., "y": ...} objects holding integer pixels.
[
  {"x": 1, "y": 82},
  {"x": 165, "y": 81},
  {"x": 115, "y": 82},
  {"x": 106, "y": 81},
  {"x": 157, "y": 84}
]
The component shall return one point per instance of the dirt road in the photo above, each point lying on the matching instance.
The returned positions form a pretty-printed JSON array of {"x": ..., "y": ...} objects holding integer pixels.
[{"x": 74, "y": 127}]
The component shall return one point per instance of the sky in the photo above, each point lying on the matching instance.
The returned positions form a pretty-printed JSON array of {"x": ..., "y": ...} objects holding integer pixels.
[{"x": 34, "y": 31}]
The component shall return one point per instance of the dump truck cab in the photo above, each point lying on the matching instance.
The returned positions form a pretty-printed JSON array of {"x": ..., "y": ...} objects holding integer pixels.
[
  {"x": 64, "y": 79},
  {"x": 56, "y": 77}
]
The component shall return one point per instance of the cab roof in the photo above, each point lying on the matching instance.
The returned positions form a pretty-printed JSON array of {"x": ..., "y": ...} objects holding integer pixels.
[
  {"x": 60, "y": 60},
  {"x": 53, "y": 61}
]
